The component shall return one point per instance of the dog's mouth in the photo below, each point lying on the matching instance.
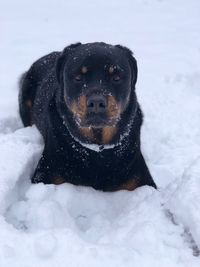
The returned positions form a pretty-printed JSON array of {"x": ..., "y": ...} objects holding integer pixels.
[{"x": 96, "y": 121}]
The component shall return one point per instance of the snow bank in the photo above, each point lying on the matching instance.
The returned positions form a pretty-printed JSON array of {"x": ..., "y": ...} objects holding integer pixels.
[
  {"x": 185, "y": 201},
  {"x": 18, "y": 158},
  {"x": 48, "y": 225}
]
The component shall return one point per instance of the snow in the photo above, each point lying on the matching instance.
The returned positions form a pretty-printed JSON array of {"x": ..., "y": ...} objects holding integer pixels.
[
  {"x": 189, "y": 188},
  {"x": 66, "y": 225}
]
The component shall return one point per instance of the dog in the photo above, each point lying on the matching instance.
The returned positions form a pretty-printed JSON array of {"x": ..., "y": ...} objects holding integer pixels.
[{"x": 83, "y": 102}]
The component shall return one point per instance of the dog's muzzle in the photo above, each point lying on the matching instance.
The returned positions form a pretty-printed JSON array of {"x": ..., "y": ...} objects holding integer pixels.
[{"x": 96, "y": 104}]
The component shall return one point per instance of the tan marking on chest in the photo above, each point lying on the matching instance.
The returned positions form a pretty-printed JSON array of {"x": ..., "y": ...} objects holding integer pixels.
[
  {"x": 87, "y": 132},
  {"x": 108, "y": 133}
]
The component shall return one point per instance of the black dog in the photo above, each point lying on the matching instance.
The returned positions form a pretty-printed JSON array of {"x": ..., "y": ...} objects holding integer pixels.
[{"x": 84, "y": 104}]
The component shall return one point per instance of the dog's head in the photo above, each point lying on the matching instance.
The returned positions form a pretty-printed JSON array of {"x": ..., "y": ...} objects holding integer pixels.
[{"x": 96, "y": 80}]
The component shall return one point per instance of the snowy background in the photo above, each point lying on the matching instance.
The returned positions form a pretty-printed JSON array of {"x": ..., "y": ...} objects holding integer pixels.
[{"x": 48, "y": 225}]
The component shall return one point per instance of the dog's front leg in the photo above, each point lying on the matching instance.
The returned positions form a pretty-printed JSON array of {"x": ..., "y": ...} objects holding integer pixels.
[{"x": 43, "y": 170}]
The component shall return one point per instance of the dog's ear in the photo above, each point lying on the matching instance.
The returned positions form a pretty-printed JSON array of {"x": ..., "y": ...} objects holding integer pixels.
[
  {"x": 62, "y": 59},
  {"x": 132, "y": 61}
]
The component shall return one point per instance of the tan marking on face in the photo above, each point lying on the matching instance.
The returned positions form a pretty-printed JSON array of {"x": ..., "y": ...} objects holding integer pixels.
[
  {"x": 87, "y": 132},
  {"x": 113, "y": 108},
  {"x": 107, "y": 134},
  {"x": 29, "y": 103},
  {"x": 79, "y": 108},
  {"x": 58, "y": 180},
  {"x": 82, "y": 106},
  {"x": 111, "y": 70},
  {"x": 84, "y": 70},
  {"x": 130, "y": 185}
]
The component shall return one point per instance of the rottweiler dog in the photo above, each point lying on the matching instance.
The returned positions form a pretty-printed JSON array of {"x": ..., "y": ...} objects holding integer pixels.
[{"x": 83, "y": 102}]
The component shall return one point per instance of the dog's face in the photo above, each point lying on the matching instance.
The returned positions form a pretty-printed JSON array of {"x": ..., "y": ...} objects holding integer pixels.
[{"x": 97, "y": 80}]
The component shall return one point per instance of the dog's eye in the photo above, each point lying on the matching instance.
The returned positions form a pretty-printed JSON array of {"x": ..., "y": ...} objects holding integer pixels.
[
  {"x": 116, "y": 78},
  {"x": 78, "y": 78}
]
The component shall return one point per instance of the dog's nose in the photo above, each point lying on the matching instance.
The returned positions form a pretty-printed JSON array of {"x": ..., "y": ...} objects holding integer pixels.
[{"x": 96, "y": 103}]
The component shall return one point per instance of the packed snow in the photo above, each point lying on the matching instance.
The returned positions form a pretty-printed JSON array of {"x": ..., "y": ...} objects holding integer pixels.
[{"x": 66, "y": 225}]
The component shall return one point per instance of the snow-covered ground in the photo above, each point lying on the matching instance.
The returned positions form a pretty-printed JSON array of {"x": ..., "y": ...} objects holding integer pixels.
[{"x": 48, "y": 225}]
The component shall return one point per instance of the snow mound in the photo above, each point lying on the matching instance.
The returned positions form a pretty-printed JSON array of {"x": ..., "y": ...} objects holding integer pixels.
[
  {"x": 57, "y": 223},
  {"x": 185, "y": 201},
  {"x": 18, "y": 158}
]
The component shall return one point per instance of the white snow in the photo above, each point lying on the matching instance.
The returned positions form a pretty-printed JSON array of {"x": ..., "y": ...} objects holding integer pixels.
[{"x": 66, "y": 225}]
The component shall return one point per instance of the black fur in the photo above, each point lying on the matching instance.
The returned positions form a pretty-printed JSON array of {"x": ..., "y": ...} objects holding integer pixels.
[{"x": 67, "y": 153}]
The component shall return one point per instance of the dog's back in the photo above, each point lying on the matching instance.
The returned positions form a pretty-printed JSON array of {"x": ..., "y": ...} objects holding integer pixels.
[{"x": 29, "y": 83}]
